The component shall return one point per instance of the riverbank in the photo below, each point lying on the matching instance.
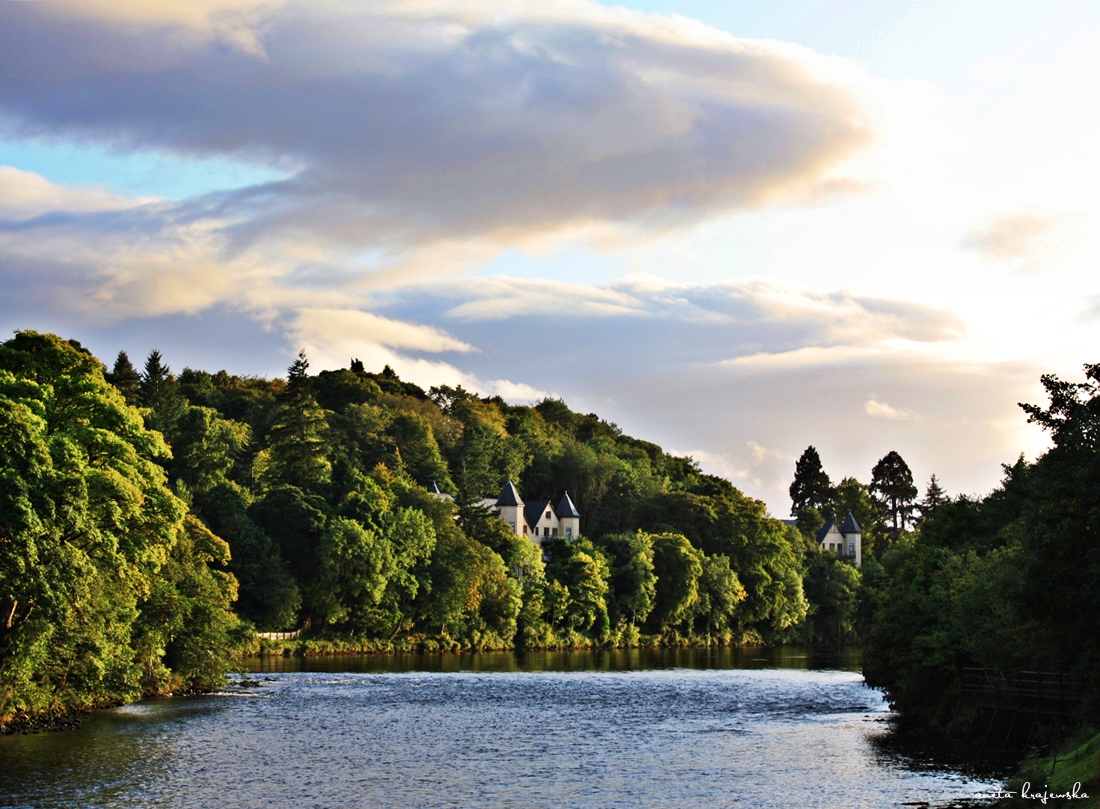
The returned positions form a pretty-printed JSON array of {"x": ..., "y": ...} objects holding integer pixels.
[
  {"x": 629, "y": 638},
  {"x": 1069, "y": 778}
]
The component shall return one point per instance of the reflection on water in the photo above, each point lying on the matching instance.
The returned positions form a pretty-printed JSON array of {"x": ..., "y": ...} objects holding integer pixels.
[
  {"x": 724, "y": 728},
  {"x": 782, "y": 657}
]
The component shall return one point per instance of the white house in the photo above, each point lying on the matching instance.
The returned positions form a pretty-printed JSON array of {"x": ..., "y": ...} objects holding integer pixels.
[
  {"x": 538, "y": 520},
  {"x": 845, "y": 541}
]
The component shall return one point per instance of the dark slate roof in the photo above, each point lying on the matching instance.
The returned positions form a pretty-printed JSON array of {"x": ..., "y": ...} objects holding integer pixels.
[
  {"x": 850, "y": 525},
  {"x": 509, "y": 496},
  {"x": 566, "y": 508},
  {"x": 534, "y": 510},
  {"x": 823, "y": 530}
]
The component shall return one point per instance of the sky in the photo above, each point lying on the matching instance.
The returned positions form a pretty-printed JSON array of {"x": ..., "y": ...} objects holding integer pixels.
[{"x": 734, "y": 229}]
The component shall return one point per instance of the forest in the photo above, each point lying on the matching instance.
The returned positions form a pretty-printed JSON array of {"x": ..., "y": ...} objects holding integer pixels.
[{"x": 151, "y": 523}]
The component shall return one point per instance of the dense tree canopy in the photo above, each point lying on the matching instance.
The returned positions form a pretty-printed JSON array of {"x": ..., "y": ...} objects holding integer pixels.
[{"x": 1007, "y": 581}]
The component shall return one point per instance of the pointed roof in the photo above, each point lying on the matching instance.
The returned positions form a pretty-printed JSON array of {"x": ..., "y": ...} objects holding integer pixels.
[
  {"x": 533, "y": 511},
  {"x": 566, "y": 508},
  {"x": 850, "y": 525},
  {"x": 509, "y": 496},
  {"x": 823, "y": 530},
  {"x": 435, "y": 488}
]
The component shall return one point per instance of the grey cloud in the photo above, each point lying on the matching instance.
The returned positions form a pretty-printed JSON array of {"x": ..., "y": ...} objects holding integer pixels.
[{"x": 404, "y": 127}]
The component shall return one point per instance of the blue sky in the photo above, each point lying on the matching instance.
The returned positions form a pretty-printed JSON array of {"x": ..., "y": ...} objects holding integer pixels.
[{"x": 735, "y": 229}]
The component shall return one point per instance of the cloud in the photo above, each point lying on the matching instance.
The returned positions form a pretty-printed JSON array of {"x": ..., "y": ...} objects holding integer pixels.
[
  {"x": 331, "y": 337},
  {"x": 1034, "y": 239},
  {"x": 881, "y": 410},
  {"x": 412, "y": 123}
]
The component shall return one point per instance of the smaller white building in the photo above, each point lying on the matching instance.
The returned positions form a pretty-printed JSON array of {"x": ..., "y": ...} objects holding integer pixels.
[
  {"x": 846, "y": 540},
  {"x": 538, "y": 520}
]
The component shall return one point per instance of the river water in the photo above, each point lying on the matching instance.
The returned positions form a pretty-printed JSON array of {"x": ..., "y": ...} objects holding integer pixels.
[{"x": 702, "y": 728}]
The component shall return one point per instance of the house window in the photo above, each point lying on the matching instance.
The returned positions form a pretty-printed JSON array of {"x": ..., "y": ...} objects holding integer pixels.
[
  {"x": 568, "y": 533},
  {"x": 546, "y": 532},
  {"x": 548, "y": 515},
  {"x": 525, "y": 528},
  {"x": 553, "y": 532},
  {"x": 851, "y": 550},
  {"x": 832, "y": 546}
]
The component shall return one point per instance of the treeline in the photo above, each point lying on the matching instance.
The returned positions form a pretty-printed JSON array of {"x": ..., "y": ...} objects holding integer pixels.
[
  {"x": 150, "y": 522},
  {"x": 321, "y": 483},
  {"x": 109, "y": 587},
  {"x": 1006, "y": 581}
]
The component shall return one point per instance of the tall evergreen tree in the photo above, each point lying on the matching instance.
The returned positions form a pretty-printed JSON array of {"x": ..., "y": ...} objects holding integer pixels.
[
  {"x": 934, "y": 498},
  {"x": 159, "y": 391},
  {"x": 811, "y": 487},
  {"x": 298, "y": 448},
  {"x": 893, "y": 489},
  {"x": 126, "y": 378}
]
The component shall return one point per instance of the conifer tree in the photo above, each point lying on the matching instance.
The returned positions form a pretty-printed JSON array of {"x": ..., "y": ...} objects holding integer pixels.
[
  {"x": 893, "y": 489},
  {"x": 934, "y": 498},
  {"x": 811, "y": 487},
  {"x": 126, "y": 378}
]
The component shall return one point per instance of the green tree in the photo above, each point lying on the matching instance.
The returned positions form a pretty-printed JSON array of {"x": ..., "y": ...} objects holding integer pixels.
[
  {"x": 632, "y": 579},
  {"x": 87, "y": 528},
  {"x": 298, "y": 448},
  {"x": 934, "y": 499},
  {"x": 892, "y": 486},
  {"x": 126, "y": 378},
  {"x": 678, "y": 566},
  {"x": 720, "y": 593},
  {"x": 811, "y": 487}
]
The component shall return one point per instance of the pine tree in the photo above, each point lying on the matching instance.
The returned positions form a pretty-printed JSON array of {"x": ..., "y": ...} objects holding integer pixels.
[
  {"x": 893, "y": 489},
  {"x": 934, "y": 497},
  {"x": 159, "y": 391},
  {"x": 811, "y": 487},
  {"x": 126, "y": 378}
]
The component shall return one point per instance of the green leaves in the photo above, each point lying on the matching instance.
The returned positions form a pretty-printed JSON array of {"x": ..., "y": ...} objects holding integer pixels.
[{"x": 91, "y": 537}]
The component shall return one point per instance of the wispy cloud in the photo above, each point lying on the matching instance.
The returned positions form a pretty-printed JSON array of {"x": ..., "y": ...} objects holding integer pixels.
[
  {"x": 881, "y": 410},
  {"x": 1033, "y": 239}
]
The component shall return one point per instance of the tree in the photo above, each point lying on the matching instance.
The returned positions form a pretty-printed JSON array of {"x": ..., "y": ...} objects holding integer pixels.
[
  {"x": 159, "y": 391},
  {"x": 720, "y": 591},
  {"x": 892, "y": 486},
  {"x": 126, "y": 378},
  {"x": 811, "y": 487},
  {"x": 678, "y": 567},
  {"x": 298, "y": 450},
  {"x": 934, "y": 498},
  {"x": 633, "y": 580},
  {"x": 89, "y": 532}
]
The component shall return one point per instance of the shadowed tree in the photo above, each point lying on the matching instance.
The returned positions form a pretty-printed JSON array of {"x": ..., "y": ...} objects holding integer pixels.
[
  {"x": 934, "y": 498},
  {"x": 126, "y": 378},
  {"x": 893, "y": 489},
  {"x": 811, "y": 487}
]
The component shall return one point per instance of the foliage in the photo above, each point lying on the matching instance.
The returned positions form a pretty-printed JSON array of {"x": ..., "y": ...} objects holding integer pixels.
[
  {"x": 811, "y": 487},
  {"x": 1006, "y": 581},
  {"x": 106, "y": 585}
]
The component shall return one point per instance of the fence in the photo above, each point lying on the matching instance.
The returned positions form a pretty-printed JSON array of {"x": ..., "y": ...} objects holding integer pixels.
[
  {"x": 1032, "y": 694},
  {"x": 297, "y": 633}
]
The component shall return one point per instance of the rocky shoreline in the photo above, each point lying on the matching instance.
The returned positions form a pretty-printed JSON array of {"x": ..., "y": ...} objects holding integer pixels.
[{"x": 41, "y": 722}]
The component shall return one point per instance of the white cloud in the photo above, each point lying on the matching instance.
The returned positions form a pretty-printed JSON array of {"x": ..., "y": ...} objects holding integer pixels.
[{"x": 881, "y": 410}]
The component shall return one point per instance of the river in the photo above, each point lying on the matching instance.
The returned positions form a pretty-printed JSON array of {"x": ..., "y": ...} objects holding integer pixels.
[{"x": 688, "y": 728}]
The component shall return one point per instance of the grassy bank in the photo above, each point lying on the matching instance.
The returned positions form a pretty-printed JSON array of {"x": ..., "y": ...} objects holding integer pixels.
[{"x": 1075, "y": 765}]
